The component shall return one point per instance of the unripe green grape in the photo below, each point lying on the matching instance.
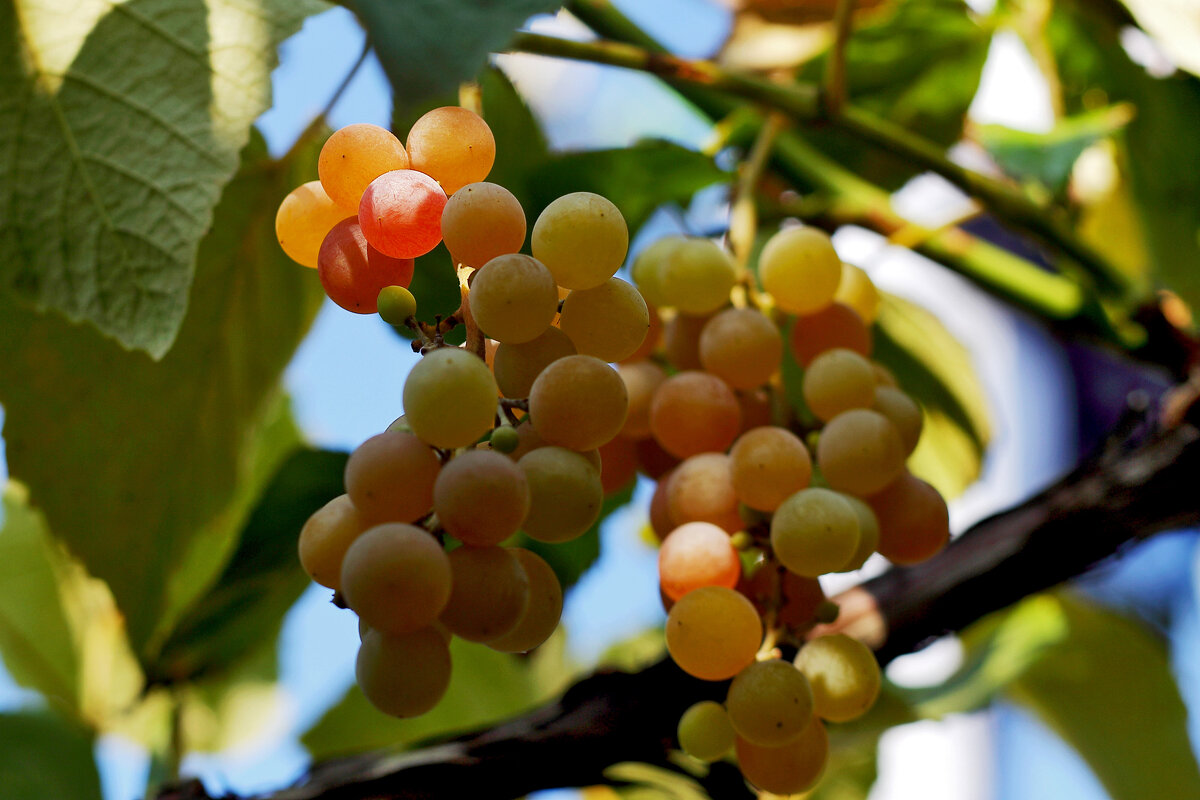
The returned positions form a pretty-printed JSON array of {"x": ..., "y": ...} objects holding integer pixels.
[
  {"x": 325, "y": 537},
  {"x": 800, "y": 269},
  {"x": 836, "y": 381},
  {"x": 857, "y": 290},
  {"x": 608, "y": 321},
  {"x": 860, "y": 451},
  {"x": 904, "y": 413},
  {"x": 404, "y": 675},
  {"x": 868, "y": 533},
  {"x": 814, "y": 531},
  {"x": 452, "y": 145},
  {"x": 578, "y": 402},
  {"x": 304, "y": 217},
  {"x": 390, "y": 478},
  {"x": 705, "y": 732},
  {"x": 396, "y": 304},
  {"x": 582, "y": 238},
  {"x": 741, "y": 347},
  {"x": 505, "y": 439},
  {"x": 481, "y": 498},
  {"x": 769, "y": 703},
  {"x": 517, "y": 366},
  {"x": 768, "y": 465},
  {"x": 482, "y": 221},
  {"x": 844, "y": 676},
  {"x": 545, "y": 606},
  {"x": 565, "y": 494},
  {"x": 513, "y": 298},
  {"x": 396, "y": 577},
  {"x": 696, "y": 277},
  {"x": 647, "y": 268},
  {"x": 450, "y": 398},
  {"x": 793, "y": 768},
  {"x": 713, "y": 633},
  {"x": 490, "y": 593}
]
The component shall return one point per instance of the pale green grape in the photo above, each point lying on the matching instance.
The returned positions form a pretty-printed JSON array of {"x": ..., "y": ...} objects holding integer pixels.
[
  {"x": 609, "y": 321},
  {"x": 705, "y": 731},
  {"x": 396, "y": 577},
  {"x": 769, "y": 703},
  {"x": 844, "y": 676},
  {"x": 800, "y": 269},
  {"x": 857, "y": 290},
  {"x": 814, "y": 531},
  {"x": 482, "y": 221},
  {"x": 565, "y": 494},
  {"x": 868, "y": 533},
  {"x": 904, "y": 413},
  {"x": 582, "y": 238},
  {"x": 404, "y": 675},
  {"x": 647, "y": 268},
  {"x": 836, "y": 381},
  {"x": 513, "y": 298},
  {"x": 450, "y": 398},
  {"x": 696, "y": 277}
]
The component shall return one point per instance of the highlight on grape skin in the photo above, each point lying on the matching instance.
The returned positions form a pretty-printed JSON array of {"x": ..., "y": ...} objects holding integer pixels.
[{"x": 401, "y": 213}]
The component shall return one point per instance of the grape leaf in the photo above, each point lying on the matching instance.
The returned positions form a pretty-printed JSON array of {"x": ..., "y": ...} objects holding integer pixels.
[
  {"x": 42, "y": 755},
  {"x": 110, "y": 168}
]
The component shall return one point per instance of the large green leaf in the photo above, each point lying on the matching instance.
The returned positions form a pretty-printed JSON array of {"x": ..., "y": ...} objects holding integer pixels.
[
  {"x": 110, "y": 167},
  {"x": 148, "y": 469},
  {"x": 43, "y": 756}
]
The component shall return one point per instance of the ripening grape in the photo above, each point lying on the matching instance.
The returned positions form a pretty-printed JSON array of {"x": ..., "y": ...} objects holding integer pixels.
[
  {"x": 545, "y": 606},
  {"x": 835, "y": 325},
  {"x": 582, "y": 238},
  {"x": 659, "y": 511},
  {"x": 505, "y": 439},
  {"x": 401, "y": 213},
  {"x": 769, "y": 703},
  {"x": 482, "y": 221},
  {"x": 608, "y": 321},
  {"x": 860, "y": 451},
  {"x": 481, "y": 497},
  {"x": 513, "y": 298},
  {"x": 390, "y": 478},
  {"x": 836, "y": 381},
  {"x": 489, "y": 594},
  {"x": 697, "y": 554},
  {"x": 450, "y": 398},
  {"x": 713, "y": 633},
  {"x": 741, "y": 347},
  {"x": 681, "y": 341},
  {"x": 702, "y": 490},
  {"x": 868, "y": 533},
  {"x": 904, "y": 413},
  {"x": 694, "y": 412},
  {"x": 578, "y": 402},
  {"x": 814, "y": 531},
  {"x": 857, "y": 290},
  {"x": 800, "y": 269},
  {"x": 844, "y": 676},
  {"x": 756, "y": 408},
  {"x": 303, "y": 219},
  {"x": 795, "y": 597},
  {"x": 354, "y": 156},
  {"x": 653, "y": 460},
  {"x": 913, "y": 521},
  {"x": 452, "y": 145},
  {"x": 352, "y": 272},
  {"x": 642, "y": 379},
  {"x": 768, "y": 465},
  {"x": 517, "y": 365},
  {"x": 565, "y": 494},
  {"x": 705, "y": 731},
  {"x": 325, "y": 537},
  {"x": 396, "y": 304},
  {"x": 404, "y": 675},
  {"x": 653, "y": 336},
  {"x": 396, "y": 577},
  {"x": 647, "y": 268},
  {"x": 696, "y": 276},
  {"x": 618, "y": 464},
  {"x": 790, "y": 769}
]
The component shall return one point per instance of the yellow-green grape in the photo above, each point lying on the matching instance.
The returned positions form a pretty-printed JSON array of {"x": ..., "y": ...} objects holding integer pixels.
[
  {"x": 325, "y": 537},
  {"x": 452, "y": 145},
  {"x": 450, "y": 398},
  {"x": 713, "y": 633},
  {"x": 404, "y": 675},
  {"x": 860, "y": 452},
  {"x": 857, "y": 290},
  {"x": 769, "y": 703},
  {"x": 836, "y": 381},
  {"x": 790, "y": 769},
  {"x": 642, "y": 379},
  {"x": 545, "y": 606},
  {"x": 800, "y": 269},
  {"x": 705, "y": 731},
  {"x": 490, "y": 593},
  {"x": 396, "y": 304},
  {"x": 396, "y": 577},
  {"x": 609, "y": 321},
  {"x": 513, "y": 298},
  {"x": 354, "y": 156},
  {"x": 868, "y": 533},
  {"x": 582, "y": 238},
  {"x": 813, "y": 532},
  {"x": 517, "y": 366},
  {"x": 578, "y": 402},
  {"x": 482, "y": 221},
  {"x": 390, "y": 478},
  {"x": 769, "y": 464},
  {"x": 505, "y": 439},
  {"x": 481, "y": 497},
  {"x": 844, "y": 676},
  {"x": 904, "y": 413},
  {"x": 303, "y": 219},
  {"x": 741, "y": 347},
  {"x": 701, "y": 490},
  {"x": 565, "y": 494},
  {"x": 696, "y": 277},
  {"x": 647, "y": 268}
]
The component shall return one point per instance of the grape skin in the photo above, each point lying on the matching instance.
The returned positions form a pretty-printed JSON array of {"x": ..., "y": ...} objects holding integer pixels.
[
  {"x": 768, "y": 465},
  {"x": 481, "y": 497},
  {"x": 713, "y": 633},
  {"x": 450, "y": 378},
  {"x": 914, "y": 523},
  {"x": 705, "y": 732},
  {"x": 609, "y": 321},
  {"x": 793, "y": 768},
  {"x": 770, "y": 703},
  {"x": 702, "y": 490},
  {"x": 860, "y": 452},
  {"x": 396, "y": 577},
  {"x": 582, "y": 238},
  {"x": 513, "y": 298},
  {"x": 694, "y": 412},
  {"x": 482, "y": 221},
  {"x": 354, "y": 156},
  {"x": 545, "y": 606},
  {"x": 857, "y": 290},
  {"x": 452, "y": 145},
  {"x": 814, "y": 531},
  {"x": 565, "y": 494},
  {"x": 836, "y": 381},
  {"x": 517, "y": 366},
  {"x": 836, "y": 325},
  {"x": 800, "y": 269},
  {"x": 325, "y": 537},
  {"x": 696, "y": 277},
  {"x": 390, "y": 477},
  {"x": 904, "y": 413},
  {"x": 741, "y": 347},
  {"x": 303, "y": 219},
  {"x": 647, "y": 268},
  {"x": 697, "y": 554},
  {"x": 401, "y": 213},
  {"x": 404, "y": 675},
  {"x": 578, "y": 402},
  {"x": 642, "y": 379},
  {"x": 489, "y": 595},
  {"x": 844, "y": 675}
]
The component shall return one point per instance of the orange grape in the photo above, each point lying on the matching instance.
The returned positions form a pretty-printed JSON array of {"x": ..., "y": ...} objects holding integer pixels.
[
  {"x": 793, "y": 768},
  {"x": 836, "y": 325},
  {"x": 303, "y": 219},
  {"x": 694, "y": 412},
  {"x": 741, "y": 347},
  {"x": 482, "y": 221},
  {"x": 545, "y": 606},
  {"x": 325, "y": 537},
  {"x": 354, "y": 156},
  {"x": 641, "y": 379},
  {"x": 390, "y": 478},
  {"x": 452, "y": 145},
  {"x": 517, "y": 365},
  {"x": 768, "y": 465},
  {"x": 609, "y": 321},
  {"x": 490, "y": 593},
  {"x": 860, "y": 451},
  {"x": 578, "y": 402},
  {"x": 713, "y": 633},
  {"x": 513, "y": 298},
  {"x": 481, "y": 497},
  {"x": 404, "y": 675},
  {"x": 697, "y": 554},
  {"x": 702, "y": 491},
  {"x": 396, "y": 577},
  {"x": 913, "y": 521}
]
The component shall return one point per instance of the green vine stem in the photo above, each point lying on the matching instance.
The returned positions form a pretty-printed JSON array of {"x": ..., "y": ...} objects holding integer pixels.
[{"x": 835, "y": 69}]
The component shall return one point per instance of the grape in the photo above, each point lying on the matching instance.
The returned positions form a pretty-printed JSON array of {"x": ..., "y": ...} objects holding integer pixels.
[
  {"x": 482, "y": 221},
  {"x": 884, "y": 376},
  {"x": 800, "y": 269},
  {"x": 481, "y": 498},
  {"x": 768, "y": 465},
  {"x": 396, "y": 577},
  {"x": 702, "y": 491},
  {"x": 860, "y": 452},
  {"x": 404, "y": 675},
  {"x": 856, "y": 290},
  {"x": 713, "y": 633},
  {"x": 390, "y": 478},
  {"x": 696, "y": 276},
  {"x": 741, "y": 347},
  {"x": 795, "y": 597},
  {"x": 653, "y": 460},
  {"x": 835, "y": 325},
  {"x": 578, "y": 402},
  {"x": 609, "y": 321},
  {"x": 303, "y": 219},
  {"x": 844, "y": 676},
  {"x": 490, "y": 593},
  {"x": 793, "y": 768},
  {"x": 653, "y": 336},
  {"x": 647, "y": 268},
  {"x": 836, "y": 381},
  {"x": 705, "y": 731},
  {"x": 513, "y": 298},
  {"x": 396, "y": 304},
  {"x": 660, "y": 510},
  {"x": 450, "y": 398},
  {"x": 618, "y": 464},
  {"x": 353, "y": 273},
  {"x": 904, "y": 413},
  {"x": 565, "y": 494},
  {"x": 518, "y": 365},
  {"x": 505, "y": 439},
  {"x": 545, "y": 606},
  {"x": 452, "y": 145},
  {"x": 697, "y": 554},
  {"x": 582, "y": 238},
  {"x": 681, "y": 341},
  {"x": 756, "y": 409},
  {"x": 354, "y": 156},
  {"x": 814, "y": 531},
  {"x": 769, "y": 703},
  {"x": 694, "y": 412},
  {"x": 641, "y": 379},
  {"x": 401, "y": 213},
  {"x": 325, "y": 537},
  {"x": 913, "y": 521},
  {"x": 868, "y": 533}
]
